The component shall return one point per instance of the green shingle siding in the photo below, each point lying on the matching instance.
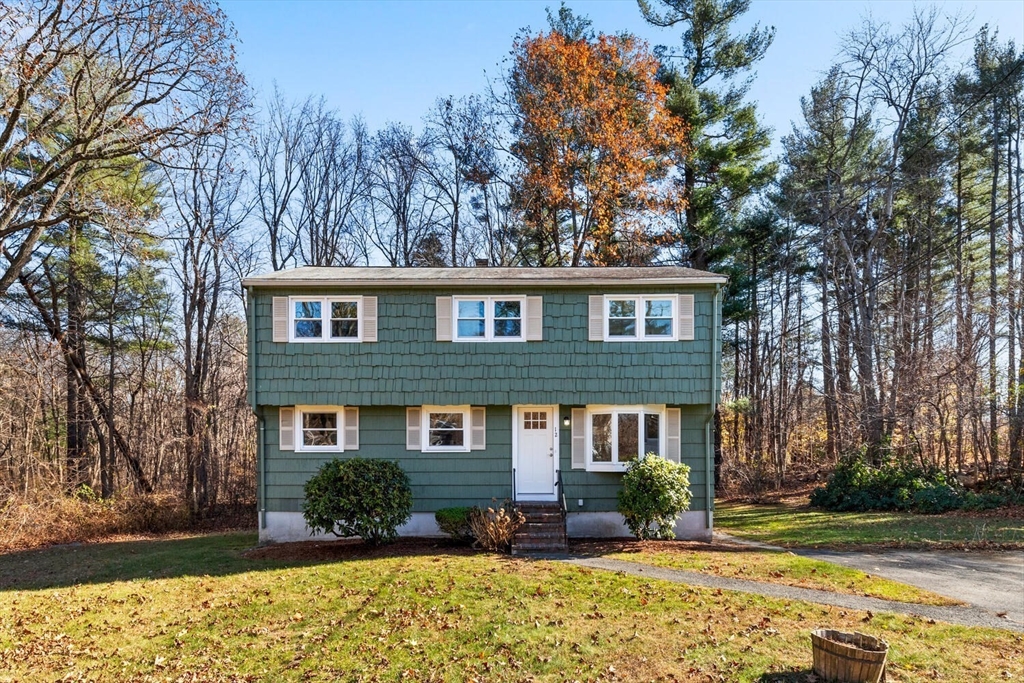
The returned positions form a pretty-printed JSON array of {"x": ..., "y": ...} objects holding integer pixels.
[
  {"x": 408, "y": 367},
  {"x": 474, "y": 478}
]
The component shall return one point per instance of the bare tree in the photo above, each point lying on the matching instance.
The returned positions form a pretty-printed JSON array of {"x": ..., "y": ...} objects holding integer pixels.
[
  {"x": 332, "y": 186},
  {"x": 399, "y": 216},
  {"x": 458, "y": 155},
  {"x": 91, "y": 82},
  {"x": 208, "y": 212}
]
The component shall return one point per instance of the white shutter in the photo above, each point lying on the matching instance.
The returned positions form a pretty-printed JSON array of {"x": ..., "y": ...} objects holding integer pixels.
[
  {"x": 369, "y": 321},
  {"x": 597, "y": 318},
  {"x": 579, "y": 438},
  {"x": 673, "y": 429},
  {"x": 286, "y": 428},
  {"x": 351, "y": 442},
  {"x": 280, "y": 315},
  {"x": 412, "y": 428},
  {"x": 534, "y": 318},
  {"x": 478, "y": 429},
  {"x": 444, "y": 318},
  {"x": 685, "y": 303}
]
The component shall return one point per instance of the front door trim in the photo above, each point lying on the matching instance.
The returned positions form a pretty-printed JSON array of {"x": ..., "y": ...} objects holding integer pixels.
[{"x": 555, "y": 459}]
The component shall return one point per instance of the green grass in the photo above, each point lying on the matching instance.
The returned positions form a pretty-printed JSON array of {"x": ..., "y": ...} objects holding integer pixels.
[
  {"x": 793, "y": 526},
  {"x": 779, "y": 567},
  {"x": 199, "y": 609}
]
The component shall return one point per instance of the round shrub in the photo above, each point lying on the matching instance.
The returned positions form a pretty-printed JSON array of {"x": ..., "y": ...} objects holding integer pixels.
[
  {"x": 358, "y": 497},
  {"x": 654, "y": 492},
  {"x": 455, "y": 522}
]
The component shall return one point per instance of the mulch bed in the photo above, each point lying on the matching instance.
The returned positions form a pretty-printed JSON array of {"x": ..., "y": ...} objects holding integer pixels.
[{"x": 605, "y": 546}]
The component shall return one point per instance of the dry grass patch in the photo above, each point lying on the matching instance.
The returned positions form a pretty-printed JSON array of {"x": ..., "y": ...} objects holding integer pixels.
[
  {"x": 198, "y": 609},
  {"x": 739, "y": 562},
  {"x": 53, "y": 518}
]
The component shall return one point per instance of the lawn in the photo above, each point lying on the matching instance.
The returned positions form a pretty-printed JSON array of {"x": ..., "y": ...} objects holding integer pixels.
[
  {"x": 771, "y": 567},
  {"x": 790, "y": 525},
  {"x": 202, "y": 608}
]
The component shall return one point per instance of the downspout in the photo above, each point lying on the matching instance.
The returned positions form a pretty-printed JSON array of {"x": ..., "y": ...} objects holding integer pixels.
[
  {"x": 261, "y": 464},
  {"x": 709, "y": 446}
]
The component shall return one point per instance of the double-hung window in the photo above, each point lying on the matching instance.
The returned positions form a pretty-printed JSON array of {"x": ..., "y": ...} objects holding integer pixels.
[
  {"x": 617, "y": 435},
  {"x": 489, "y": 318},
  {"x": 451, "y": 429},
  {"x": 640, "y": 318},
  {"x": 446, "y": 429},
  {"x": 319, "y": 428},
  {"x": 325, "y": 319}
]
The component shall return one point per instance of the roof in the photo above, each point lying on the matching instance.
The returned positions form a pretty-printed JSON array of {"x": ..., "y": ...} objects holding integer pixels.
[{"x": 320, "y": 276}]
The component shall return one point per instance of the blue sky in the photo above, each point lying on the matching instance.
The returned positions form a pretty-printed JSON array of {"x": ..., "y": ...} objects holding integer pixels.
[{"x": 389, "y": 61}]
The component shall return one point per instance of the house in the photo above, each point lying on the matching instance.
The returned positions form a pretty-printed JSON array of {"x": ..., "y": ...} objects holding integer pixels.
[{"x": 537, "y": 384}]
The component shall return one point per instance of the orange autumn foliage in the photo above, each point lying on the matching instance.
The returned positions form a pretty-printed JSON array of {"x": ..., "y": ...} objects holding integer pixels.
[{"x": 596, "y": 141}]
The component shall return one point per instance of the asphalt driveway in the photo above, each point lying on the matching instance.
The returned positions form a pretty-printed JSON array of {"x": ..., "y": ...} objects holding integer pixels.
[{"x": 992, "y": 580}]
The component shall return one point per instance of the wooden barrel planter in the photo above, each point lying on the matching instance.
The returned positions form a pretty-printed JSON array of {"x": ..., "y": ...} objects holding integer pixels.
[{"x": 848, "y": 657}]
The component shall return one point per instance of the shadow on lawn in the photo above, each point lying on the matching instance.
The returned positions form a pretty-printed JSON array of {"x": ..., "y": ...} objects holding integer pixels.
[
  {"x": 235, "y": 553},
  {"x": 209, "y": 555}
]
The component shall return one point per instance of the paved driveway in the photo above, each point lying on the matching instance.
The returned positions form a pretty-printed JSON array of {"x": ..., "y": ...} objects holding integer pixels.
[{"x": 991, "y": 580}]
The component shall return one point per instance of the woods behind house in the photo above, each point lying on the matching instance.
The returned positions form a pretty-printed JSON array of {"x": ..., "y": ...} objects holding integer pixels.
[{"x": 876, "y": 277}]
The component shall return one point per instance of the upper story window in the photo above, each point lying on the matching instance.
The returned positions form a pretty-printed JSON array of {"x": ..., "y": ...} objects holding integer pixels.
[
  {"x": 647, "y": 318},
  {"x": 617, "y": 435},
  {"x": 325, "y": 319},
  {"x": 489, "y": 318}
]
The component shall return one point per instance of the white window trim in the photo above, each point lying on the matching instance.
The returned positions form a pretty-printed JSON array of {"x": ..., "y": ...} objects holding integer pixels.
[
  {"x": 614, "y": 411},
  {"x": 325, "y": 319},
  {"x": 467, "y": 427},
  {"x": 489, "y": 319},
  {"x": 339, "y": 410},
  {"x": 640, "y": 299}
]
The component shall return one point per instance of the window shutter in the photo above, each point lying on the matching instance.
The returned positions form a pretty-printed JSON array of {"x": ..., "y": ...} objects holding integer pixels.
[
  {"x": 673, "y": 416},
  {"x": 369, "y": 321},
  {"x": 685, "y": 317},
  {"x": 534, "y": 318},
  {"x": 351, "y": 429},
  {"x": 444, "y": 318},
  {"x": 597, "y": 318},
  {"x": 286, "y": 428},
  {"x": 280, "y": 314},
  {"x": 412, "y": 428},
  {"x": 478, "y": 429},
  {"x": 579, "y": 438}
]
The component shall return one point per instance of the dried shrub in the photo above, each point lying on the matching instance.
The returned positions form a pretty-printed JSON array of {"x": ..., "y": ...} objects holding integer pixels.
[
  {"x": 40, "y": 520},
  {"x": 495, "y": 529}
]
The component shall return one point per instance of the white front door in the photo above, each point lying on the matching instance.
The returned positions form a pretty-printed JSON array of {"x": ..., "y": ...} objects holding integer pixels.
[{"x": 535, "y": 446}]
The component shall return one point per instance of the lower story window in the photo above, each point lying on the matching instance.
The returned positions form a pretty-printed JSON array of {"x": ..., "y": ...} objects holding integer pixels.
[
  {"x": 617, "y": 435},
  {"x": 323, "y": 428},
  {"x": 446, "y": 428}
]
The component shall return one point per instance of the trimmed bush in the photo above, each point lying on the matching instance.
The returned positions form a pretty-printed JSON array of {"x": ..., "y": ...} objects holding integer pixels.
[
  {"x": 455, "y": 522},
  {"x": 654, "y": 493},
  {"x": 495, "y": 529},
  {"x": 358, "y": 497},
  {"x": 898, "y": 485}
]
